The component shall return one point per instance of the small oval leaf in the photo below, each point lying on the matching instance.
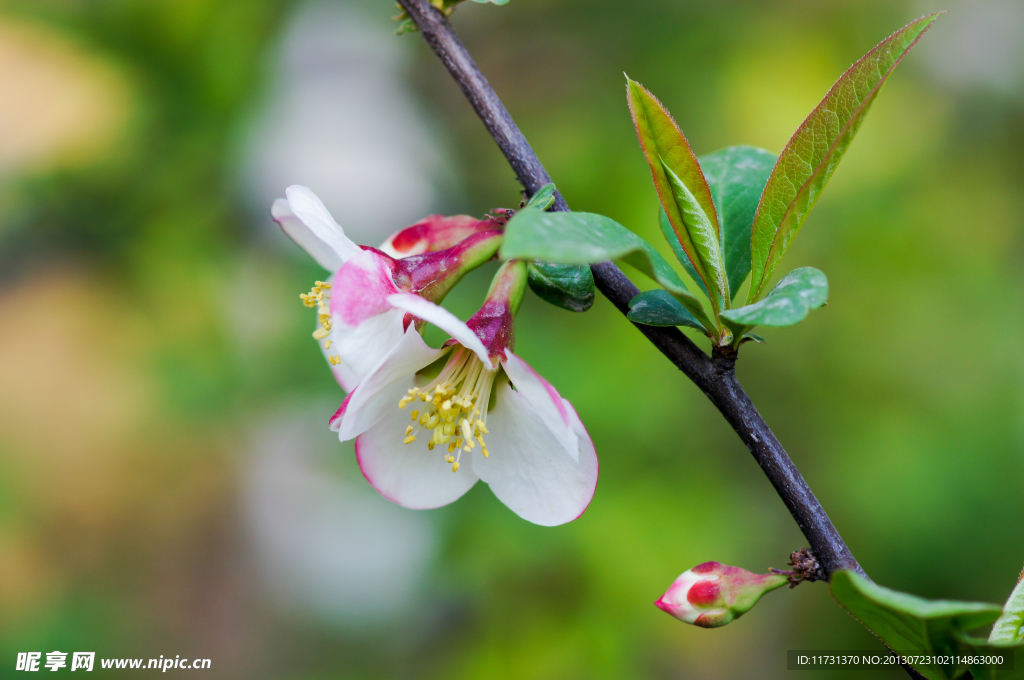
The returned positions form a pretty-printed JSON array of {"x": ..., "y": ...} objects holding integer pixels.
[
  {"x": 659, "y": 308},
  {"x": 543, "y": 198},
  {"x": 569, "y": 286},
  {"x": 788, "y": 303}
]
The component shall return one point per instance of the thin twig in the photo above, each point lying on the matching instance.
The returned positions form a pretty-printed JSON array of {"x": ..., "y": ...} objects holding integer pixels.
[{"x": 715, "y": 375}]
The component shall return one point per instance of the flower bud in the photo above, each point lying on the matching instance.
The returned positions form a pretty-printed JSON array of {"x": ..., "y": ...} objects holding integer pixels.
[{"x": 713, "y": 594}]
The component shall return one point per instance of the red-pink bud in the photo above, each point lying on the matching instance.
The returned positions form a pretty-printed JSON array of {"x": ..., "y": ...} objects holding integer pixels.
[{"x": 713, "y": 594}]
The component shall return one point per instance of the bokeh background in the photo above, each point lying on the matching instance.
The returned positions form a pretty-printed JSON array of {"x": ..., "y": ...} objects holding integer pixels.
[{"x": 167, "y": 481}]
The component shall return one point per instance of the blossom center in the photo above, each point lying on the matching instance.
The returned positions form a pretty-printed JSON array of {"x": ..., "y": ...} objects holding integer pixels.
[
  {"x": 455, "y": 409},
  {"x": 320, "y": 297}
]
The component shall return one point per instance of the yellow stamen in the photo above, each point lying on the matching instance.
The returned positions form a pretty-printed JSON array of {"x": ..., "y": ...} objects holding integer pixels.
[
  {"x": 320, "y": 334},
  {"x": 454, "y": 405},
  {"x": 410, "y": 439},
  {"x": 327, "y": 345}
]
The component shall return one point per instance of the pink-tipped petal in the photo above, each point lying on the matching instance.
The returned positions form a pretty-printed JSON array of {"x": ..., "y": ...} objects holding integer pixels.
[
  {"x": 443, "y": 319},
  {"x": 362, "y": 347},
  {"x": 325, "y": 255},
  {"x": 378, "y": 394},
  {"x": 361, "y": 288},
  {"x": 527, "y": 469},
  {"x": 409, "y": 474},
  {"x": 311, "y": 211},
  {"x": 545, "y": 400}
]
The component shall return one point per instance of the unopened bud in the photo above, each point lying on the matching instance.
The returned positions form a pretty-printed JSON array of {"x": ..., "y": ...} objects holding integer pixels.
[{"x": 713, "y": 594}]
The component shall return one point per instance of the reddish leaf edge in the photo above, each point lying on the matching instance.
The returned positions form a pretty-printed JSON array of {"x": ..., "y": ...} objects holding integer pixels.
[{"x": 753, "y": 296}]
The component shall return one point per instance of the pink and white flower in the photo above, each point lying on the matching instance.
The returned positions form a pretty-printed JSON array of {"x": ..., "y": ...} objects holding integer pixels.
[
  {"x": 356, "y": 324},
  {"x": 713, "y": 594},
  {"x": 523, "y": 439}
]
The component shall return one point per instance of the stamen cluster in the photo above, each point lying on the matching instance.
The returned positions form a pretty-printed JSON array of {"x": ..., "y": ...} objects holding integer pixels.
[
  {"x": 456, "y": 406},
  {"x": 320, "y": 297}
]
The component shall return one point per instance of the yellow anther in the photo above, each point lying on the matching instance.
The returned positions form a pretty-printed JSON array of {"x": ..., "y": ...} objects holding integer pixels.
[
  {"x": 410, "y": 439},
  {"x": 321, "y": 333},
  {"x": 335, "y": 360},
  {"x": 452, "y": 405},
  {"x": 485, "y": 452},
  {"x": 327, "y": 345}
]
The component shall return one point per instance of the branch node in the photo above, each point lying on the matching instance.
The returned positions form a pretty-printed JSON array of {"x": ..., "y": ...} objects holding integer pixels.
[
  {"x": 805, "y": 568},
  {"x": 724, "y": 358}
]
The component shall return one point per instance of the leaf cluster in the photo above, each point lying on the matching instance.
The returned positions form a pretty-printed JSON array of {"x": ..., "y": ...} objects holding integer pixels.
[{"x": 728, "y": 216}]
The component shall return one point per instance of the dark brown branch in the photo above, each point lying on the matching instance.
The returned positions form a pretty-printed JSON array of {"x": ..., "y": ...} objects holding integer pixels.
[{"x": 714, "y": 375}]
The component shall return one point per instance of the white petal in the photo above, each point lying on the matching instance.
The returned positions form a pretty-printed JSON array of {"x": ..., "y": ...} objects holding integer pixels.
[
  {"x": 303, "y": 237},
  {"x": 545, "y": 400},
  {"x": 362, "y": 347},
  {"x": 409, "y": 474},
  {"x": 443, "y": 319},
  {"x": 307, "y": 207},
  {"x": 385, "y": 384},
  {"x": 528, "y": 470}
]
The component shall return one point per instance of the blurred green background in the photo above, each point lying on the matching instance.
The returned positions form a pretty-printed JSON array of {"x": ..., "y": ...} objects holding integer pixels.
[{"x": 167, "y": 481}]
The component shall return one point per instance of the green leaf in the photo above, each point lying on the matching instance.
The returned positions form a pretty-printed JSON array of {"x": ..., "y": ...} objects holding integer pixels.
[
  {"x": 812, "y": 154},
  {"x": 543, "y": 199},
  {"x": 736, "y": 176},
  {"x": 747, "y": 337},
  {"x": 677, "y": 250},
  {"x": 569, "y": 286},
  {"x": 659, "y": 308},
  {"x": 788, "y": 303},
  {"x": 907, "y": 623},
  {"x": 586, "y": 238},
  {"x": 1008, "y": 627},
  {"x": 971, "y": 646},
  {"x": 682, "y": 189}
]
